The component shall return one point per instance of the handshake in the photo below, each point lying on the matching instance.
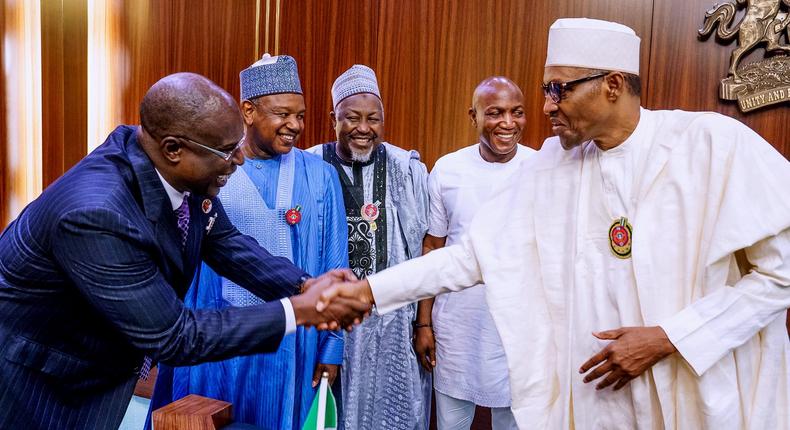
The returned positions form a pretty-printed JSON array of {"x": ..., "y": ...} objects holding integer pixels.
[{"x": 333, "y": 300}]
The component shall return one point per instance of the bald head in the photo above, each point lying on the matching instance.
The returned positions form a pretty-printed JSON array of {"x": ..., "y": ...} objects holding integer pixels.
[
  {"x": 187, "y": 104},
  {"x": 190, "y": 130},
  {"x": 497, "y": 113},
  {"x": 493, "y": 85}
]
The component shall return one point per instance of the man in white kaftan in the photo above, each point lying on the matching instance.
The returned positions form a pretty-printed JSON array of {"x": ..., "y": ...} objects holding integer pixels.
[
  {"x": 455, "y": 336},
  {"x": 660, "y": 309}
]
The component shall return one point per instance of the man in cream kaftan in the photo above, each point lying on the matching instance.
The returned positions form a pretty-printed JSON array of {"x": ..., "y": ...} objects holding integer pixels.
[
  {"x": 386, "y": 201},
  {"x": 690, "y": 341},
  {"x": 732, "y": 367}
]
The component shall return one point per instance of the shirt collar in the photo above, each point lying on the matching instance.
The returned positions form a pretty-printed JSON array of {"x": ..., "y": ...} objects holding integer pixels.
[{"x": 176, "y": 197}]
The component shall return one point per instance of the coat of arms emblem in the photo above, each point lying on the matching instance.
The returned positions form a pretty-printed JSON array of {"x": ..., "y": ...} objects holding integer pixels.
[{"x": 765, "y": 22}]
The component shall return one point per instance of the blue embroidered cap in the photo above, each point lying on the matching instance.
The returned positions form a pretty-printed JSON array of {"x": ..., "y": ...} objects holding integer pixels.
[{"x": 270, "y": 75}]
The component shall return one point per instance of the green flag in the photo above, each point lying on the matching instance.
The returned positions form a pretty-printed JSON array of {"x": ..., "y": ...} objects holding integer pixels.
[{"x": 323, "y": 412}]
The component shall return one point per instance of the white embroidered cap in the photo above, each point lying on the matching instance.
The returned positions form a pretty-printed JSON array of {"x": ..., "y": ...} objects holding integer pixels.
[
  {"x": 593, "y": 44},
  {"x": 356, "y": 80}
]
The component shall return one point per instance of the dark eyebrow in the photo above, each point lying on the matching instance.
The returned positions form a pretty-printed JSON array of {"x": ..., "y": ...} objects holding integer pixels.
[{"x": 281, "y": 108}]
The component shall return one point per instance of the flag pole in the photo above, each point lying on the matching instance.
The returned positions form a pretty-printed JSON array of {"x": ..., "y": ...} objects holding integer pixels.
[{"x": 320, "y": 422}]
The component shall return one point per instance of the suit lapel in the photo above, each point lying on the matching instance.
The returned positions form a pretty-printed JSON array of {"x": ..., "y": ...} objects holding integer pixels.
[
  {"x": 169, "y": 240},
  {"x": 158, "y": 210}
]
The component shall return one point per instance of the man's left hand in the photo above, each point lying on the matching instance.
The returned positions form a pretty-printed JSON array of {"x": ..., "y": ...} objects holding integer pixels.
[
  {"x": 320, "y": 368},
  {"x": 632, "y": 352}
]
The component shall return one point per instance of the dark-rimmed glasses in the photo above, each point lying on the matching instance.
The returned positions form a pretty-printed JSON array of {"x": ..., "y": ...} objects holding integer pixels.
[
  {"x": 225, "y": 155},
  {"x": 555, "y": 90}
]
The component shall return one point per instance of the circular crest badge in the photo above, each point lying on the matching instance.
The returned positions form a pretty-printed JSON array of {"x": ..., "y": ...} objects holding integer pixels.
[
  {"x": 369, "y": 212},
  {"x": 206, "y": 206},
  {"x": 293, "y": 215},
  {"x": 620, "y": 233}
]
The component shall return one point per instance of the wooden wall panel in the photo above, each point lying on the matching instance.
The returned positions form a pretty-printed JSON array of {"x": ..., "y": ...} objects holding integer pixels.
[
  {"x": 64, "y": 86},
  {"x": 5, "y": 194},
  {"x": 428, "y": 56},
  {"x": 431, "y": 56},
  {"x": 685, "y": 72},
  {"x": 215, "y": 39},
  {"x": 21, "y": 64},
  {"x": 326, "y": 38}
]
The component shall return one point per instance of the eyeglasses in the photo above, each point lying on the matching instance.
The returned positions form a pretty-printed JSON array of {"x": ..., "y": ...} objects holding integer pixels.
[
  {"x": 222, "y": 154},
  {"x": 555, "y": 90}
]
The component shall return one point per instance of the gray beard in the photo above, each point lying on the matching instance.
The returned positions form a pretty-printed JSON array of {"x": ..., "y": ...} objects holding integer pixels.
[{"x": 361, "y": 157}]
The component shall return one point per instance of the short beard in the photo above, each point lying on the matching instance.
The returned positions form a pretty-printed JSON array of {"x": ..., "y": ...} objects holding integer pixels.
[{"x": 362, "y": 157}]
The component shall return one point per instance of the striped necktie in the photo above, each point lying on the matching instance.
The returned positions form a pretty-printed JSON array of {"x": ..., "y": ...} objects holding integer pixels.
[
  {"x": 182, "y": 213},
  {"x": 183, "y": 220}
]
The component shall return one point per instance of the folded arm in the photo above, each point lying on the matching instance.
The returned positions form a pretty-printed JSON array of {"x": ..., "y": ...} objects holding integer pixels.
[{"x": 712, "y": 326}]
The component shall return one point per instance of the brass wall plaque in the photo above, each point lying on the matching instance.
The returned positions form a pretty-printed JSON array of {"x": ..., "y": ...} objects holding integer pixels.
[{"x": 760, "y": 83}]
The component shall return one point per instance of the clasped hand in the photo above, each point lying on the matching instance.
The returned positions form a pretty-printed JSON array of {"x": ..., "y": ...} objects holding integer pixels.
[
  {"x": 342, "y": 312},
  {"x": 340, "y": 292}
]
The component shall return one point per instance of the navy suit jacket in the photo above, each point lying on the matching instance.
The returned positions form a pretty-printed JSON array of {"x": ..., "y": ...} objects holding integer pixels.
[{"x": 91, "y": 280}]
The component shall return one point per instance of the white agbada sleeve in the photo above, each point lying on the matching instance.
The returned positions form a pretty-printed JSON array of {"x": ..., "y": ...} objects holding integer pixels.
[
  {"x": 499, "y": 249},
  {"x": 715, "y": 324},
  {"x": 755, "y": 206},
  {"x": 452, "y": 268}
]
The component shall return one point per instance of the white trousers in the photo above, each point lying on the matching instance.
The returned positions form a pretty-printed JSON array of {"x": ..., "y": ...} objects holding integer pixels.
[{"x": 457, "y": 414}]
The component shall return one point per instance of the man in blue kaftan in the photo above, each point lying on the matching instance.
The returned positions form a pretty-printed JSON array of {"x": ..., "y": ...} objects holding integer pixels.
[{"x": 291, "y": 202}]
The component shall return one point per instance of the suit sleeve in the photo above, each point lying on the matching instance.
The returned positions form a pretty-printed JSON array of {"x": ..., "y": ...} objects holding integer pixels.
[
  {"x": 108, "y": 259},
  {"x": 335, "y": 253},
  {"x": 241, "y": 259}
]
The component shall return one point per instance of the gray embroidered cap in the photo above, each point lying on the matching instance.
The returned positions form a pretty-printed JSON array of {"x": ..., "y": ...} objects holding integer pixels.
[
  {"x": 270, "y": 75},
  {"x": 356, "y": 80}
]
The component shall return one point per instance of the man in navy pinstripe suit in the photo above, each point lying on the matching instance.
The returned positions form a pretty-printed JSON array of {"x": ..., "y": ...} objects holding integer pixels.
[{"x": 93, "y": 271}]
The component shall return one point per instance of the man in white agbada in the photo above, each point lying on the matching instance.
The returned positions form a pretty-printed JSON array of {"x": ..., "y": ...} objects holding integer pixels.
[{"x": 611, "y": 274}]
